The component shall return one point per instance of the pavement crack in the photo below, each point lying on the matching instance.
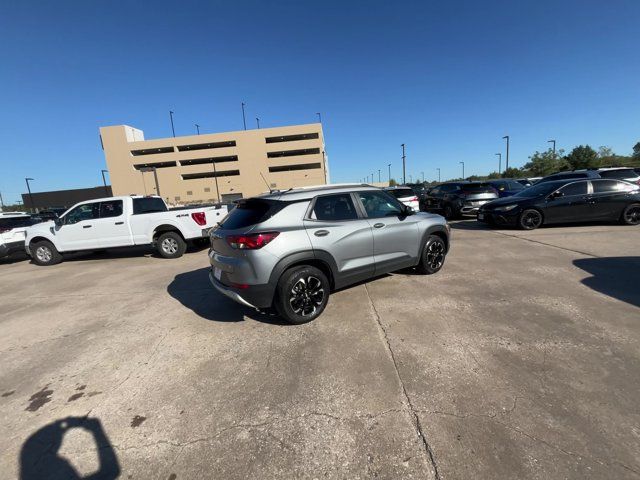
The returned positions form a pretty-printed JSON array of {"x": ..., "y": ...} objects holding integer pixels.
[{"x": 407, "y": 400}]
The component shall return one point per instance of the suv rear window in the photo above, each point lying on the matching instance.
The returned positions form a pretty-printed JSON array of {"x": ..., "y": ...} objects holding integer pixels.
[
  {"x": 618, "y": 174},
  {"x": 477, "y": 188},
  {"x": 402, "y": 192},
  {"x": 250, "y": 212},
  {"x": 148, "y": 205}
]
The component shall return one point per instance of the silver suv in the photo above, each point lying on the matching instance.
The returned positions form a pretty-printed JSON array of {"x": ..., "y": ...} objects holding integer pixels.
[{"x": 289, "y": 249}]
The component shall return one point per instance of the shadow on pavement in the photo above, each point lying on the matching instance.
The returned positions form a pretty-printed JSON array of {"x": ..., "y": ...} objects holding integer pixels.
[
  {"x": 194, "y": 291},
  {"x": 39, "y": 457},
  {"x": 617, "y": 277}
]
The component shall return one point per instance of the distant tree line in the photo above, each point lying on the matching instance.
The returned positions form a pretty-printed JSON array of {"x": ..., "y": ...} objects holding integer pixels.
[{"x": 545, "y": 163}]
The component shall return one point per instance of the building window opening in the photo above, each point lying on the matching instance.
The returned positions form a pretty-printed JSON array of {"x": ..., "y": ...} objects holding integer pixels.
[
  {"x": 152, "y": 151},
  {"x": 209, "y": 160},
  {"x": 142, "y": 166},
  {"x": 292, "y": 138},
  {"x": 206, "y": 146},
  {"x": 299, "y": 166},
  {"x": 293, "y": 153},
  {"x": 225, "y": 173}
]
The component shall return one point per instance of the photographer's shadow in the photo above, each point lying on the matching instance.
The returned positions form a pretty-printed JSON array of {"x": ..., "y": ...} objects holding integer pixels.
[{"x": 40, "y": 458}]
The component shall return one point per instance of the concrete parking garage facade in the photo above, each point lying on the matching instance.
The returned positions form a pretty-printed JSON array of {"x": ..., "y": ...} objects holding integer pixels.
[{"x": 215, "y": 167}]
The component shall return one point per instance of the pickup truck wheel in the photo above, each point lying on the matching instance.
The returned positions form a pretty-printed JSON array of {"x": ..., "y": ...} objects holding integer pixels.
[
  {"x": 302, "y": 294},
  {"x": 43, "y": 253},
  {"x": 171, "y": 245},
  {"x": 433, "y": 256}
]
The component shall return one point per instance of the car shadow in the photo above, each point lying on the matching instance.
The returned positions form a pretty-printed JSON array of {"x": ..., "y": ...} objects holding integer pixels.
[
  {"x": 617, "y": 277},
  {"x": 39, "y": 456},
  {"x": 469, "y": 224},
  {"x": 125, "y": 252},
  {"x": 193, "y": 290},
  {"x": 14, "y": 258}
]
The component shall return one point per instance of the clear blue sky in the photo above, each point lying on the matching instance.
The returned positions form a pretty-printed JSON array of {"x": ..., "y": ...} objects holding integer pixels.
[{"x": 449, "y": 79}]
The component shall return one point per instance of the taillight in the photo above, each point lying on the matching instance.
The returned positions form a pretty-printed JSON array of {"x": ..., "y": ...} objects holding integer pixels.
[
  {"x": 414, "y": 199},
  {"x": 251, "y": 242},
  {"x": 200, "y": 218}
]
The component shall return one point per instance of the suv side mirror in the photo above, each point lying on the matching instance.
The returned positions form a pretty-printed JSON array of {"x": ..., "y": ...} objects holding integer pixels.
[{"x": 555, "y": 195}]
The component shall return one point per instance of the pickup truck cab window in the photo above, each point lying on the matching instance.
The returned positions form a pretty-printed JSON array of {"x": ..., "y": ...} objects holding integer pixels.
[
  {"x": 148, "y": 205},
  {"x": 88, "y": 211},
  {"x": 111, "y": 209}
]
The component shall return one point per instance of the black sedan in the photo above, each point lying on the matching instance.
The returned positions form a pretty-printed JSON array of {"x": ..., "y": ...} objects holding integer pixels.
[{"x": 565, "y": 201}]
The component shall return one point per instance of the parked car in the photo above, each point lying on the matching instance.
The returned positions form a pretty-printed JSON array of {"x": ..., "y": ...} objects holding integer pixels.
[
  {"x": 527, "y": 182},
  {"x": 121, "y": 222},
  {"x": 13, "y": 226},
  {"x": 506, "y": 186},
  {"x": 618, "y": 173},
  {"x": 455, "y": 199},
  {"x": 565, "y": 201},
  {"x": 406, "y": 195},
  {"x": 290, "y": 249}
]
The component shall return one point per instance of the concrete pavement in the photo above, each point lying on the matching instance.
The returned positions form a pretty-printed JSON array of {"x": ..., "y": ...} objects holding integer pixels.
[{"x": 518, "y": 360}]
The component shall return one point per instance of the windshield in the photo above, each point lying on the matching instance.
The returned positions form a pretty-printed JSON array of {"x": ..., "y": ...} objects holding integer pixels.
[
  {"x": 402, "y": 192},
  {"x": 538, "y": 189}
]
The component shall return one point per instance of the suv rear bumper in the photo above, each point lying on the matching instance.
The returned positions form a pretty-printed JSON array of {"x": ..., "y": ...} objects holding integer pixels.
[
  {"x": 254, "y": 296},
  {"x": 7, "y": 249}
]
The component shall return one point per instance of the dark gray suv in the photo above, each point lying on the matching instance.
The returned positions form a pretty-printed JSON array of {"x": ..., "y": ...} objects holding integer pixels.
[{"x": 290, "y": 249}]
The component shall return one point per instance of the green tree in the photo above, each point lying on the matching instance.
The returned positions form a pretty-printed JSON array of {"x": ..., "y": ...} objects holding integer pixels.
[
  {"x": 392, "y": 182},
  {"x": 512, "y": 172},
  {"x": 583, "y": 156},
  {"x": 636, "y": 151},
  {"x": 542, "y": 164},
  {"x": 493, "y": 175}
]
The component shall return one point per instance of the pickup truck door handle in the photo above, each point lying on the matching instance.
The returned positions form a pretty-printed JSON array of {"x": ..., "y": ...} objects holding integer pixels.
[
  {"x": 321, "y": 233},
  {"x": 119, "y": 223},
  {"x": 86, "y": 226},
  {"x": 378, "y": 225}
]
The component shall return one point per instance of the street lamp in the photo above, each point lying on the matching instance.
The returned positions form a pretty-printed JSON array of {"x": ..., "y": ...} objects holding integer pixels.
[
  {"x": 462, "y": 169},
  {"x": 438, "y": 174},
  {"x": 319, "y": 117},
  {"x": 507, "y": 138},
  {"x": 104, "y": 181},
  {"x": 379, "y": 176},
  {"x": 173, "y": 130},
  {"x": 554, "y": 146},
  {"x": 244, "y": 120},
  {"x": 404, "y": 177},
  {"x": 29, "y": 190},
  {"x": 258, "y": 122},
  {"x": 197, "y": 129},
  {"x": 422, "y": 176},
  {"x": 499, "y": 161},
  {"x": 389, "y": 167}
]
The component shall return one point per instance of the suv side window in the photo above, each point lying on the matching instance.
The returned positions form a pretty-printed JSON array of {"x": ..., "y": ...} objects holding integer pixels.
[
  {"x": 608, "y": 186},
  {"x": 380, "y": 204},
  {"x": 576, "y": 188},
  {"x": 334, "y": 207},
  {"x": 88, "y": 211},
  {"x": 111, "y": 209},
  {"x": 449, "y": 188}
]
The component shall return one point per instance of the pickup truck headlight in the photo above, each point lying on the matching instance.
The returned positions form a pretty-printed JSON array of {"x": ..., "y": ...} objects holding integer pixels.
[{"x": 506, "y": 208}]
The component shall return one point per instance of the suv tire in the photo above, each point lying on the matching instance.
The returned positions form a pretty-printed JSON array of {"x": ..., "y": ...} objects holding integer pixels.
[
  {"x": 171, "y": 245},
  {"x": 631, "y": 214},
  {"x": 433, "y": 256},
  {"x": 302, "y": 294},
  {"x": 44, "y": 253}
]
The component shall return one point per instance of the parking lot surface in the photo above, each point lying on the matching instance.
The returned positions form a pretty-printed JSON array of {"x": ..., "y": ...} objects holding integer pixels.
[{"x": 520, "y": 359}]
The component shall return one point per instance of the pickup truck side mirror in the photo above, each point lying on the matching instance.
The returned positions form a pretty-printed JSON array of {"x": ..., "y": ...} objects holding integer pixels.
[{"x": 58, "y": 221}]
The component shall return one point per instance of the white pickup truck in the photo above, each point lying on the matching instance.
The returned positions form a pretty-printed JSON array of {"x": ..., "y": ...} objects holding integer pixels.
[{"x": 121, "y": 222}]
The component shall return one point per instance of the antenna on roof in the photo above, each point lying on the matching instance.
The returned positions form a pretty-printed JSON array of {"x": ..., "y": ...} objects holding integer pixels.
[{"x": 266, "y": 183}]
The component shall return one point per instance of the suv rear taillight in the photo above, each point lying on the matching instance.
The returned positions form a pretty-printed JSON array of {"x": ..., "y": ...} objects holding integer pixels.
[
  {"x": 200, "y": 218},
  {"x": 414, "y": 199},
  {"x": 251, "y": 242}
]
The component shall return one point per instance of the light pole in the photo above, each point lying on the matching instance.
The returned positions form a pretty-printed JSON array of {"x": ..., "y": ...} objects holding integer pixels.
[
  {"x": 244, "y": 120},
  {"x": 410, "y": 179},
  {"x": 173, "y": 130},
  {"x": 319, "y": 117},
  {"x": 499, "y": 155},
  {"x": 554, "y": 146},
  {"x": 389, "y": 167},
  {"x": 379, "y": 176},
  {"x": 29, "y": 190},
  {"x": 258, "y": 122},
  {"x": 197, "y": 129},
  {"x": 462, "y": 163},
  {"x": 104, "y": 181},
  {"x": 404, "y": 177},
  {"x": 438, "y": 174},
  {"x": 507, "y": 138},
  {"x": 422, "y": 176}
]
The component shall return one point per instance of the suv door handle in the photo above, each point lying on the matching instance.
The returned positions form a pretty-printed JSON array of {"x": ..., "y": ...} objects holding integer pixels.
[
  {"x": 86, "y": 226},
  {"x": 378, "y": 225},
  {"x": 321, "y": 233},
  {"x": 119, "y": 223}
]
